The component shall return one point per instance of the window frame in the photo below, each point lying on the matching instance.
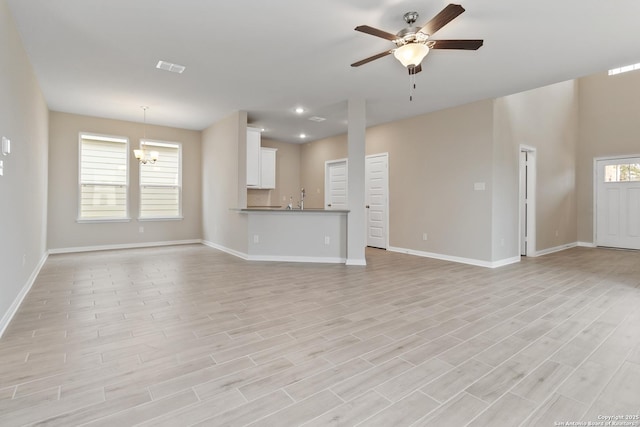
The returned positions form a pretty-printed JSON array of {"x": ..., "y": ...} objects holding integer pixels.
[
  {"x": 147, "y": 143},
  {"x": 112, "y": 138}
]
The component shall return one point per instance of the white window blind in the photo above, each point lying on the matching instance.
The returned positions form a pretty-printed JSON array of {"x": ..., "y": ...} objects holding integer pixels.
[
  {"x": 161, "y": 182},
  {"x": 103, "y": 177}
]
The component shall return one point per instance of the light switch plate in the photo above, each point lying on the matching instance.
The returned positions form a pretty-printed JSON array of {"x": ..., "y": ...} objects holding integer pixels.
[
  {"x": 6, "y": 145},
  {"x": 479, "y": 186},
  {"x": 1, "y": 168}
]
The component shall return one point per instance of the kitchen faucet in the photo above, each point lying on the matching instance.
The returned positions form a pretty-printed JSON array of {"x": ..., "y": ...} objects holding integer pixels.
[{"x": 302, "y": 194}]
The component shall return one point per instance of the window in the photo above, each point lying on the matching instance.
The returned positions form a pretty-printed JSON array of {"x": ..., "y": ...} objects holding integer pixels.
[
  {"x": 161, "y": 182},
  {"x": 624, "y": 69},
  {"x": 623, "y": 172},
  {"x": 103, "y": 178}
]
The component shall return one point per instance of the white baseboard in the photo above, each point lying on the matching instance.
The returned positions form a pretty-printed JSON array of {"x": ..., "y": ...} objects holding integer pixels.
[
  {"x": 276, "y": 258},
  {"x": 352, "y": 261},
  {"x": 461, "y": 260},
  {"x": 123, "y": 246},
  {"x": 226, "y": 250},
  {"x": 587, "y": 245},
  {"x": 13, "y": 309},
  {"x": 555, "y": 249}
]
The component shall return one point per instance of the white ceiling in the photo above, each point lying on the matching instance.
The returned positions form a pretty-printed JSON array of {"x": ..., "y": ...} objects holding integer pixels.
[{"x": 98, "y": 57}]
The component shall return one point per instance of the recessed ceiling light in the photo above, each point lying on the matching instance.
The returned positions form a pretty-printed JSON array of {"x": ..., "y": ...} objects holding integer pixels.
[
  {"x": 169, "y": 66},
  {"x": 317, "y": 119},
  {"x": 303, "y": 136},
  {"x": 299, "y": 110}
]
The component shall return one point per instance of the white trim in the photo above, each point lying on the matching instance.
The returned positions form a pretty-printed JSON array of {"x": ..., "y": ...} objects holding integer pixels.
[
  {"x": 469, "y": 261},
  {"x": 98, "y": 220},
  {"x": 556, "y": 249},
  {"x": 352, "y": 261},
  {"x": 531, "y": 189},
  {"x": 123, "y": 246},
  {"x": 226, "y": 250},
  {"x": 159, "y": 218},
  {"x": 278, "y": 258},
  {"x": 13, "y": 308},
  {"x": 595, "y": 189},
  {"x": 586, "y": 245}
]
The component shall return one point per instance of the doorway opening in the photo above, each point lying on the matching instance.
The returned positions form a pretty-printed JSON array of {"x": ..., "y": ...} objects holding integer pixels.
[{"x": 527, "y": 201}]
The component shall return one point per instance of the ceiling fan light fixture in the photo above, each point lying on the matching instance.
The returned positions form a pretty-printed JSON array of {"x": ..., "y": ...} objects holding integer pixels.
[{"x": 411, "y": 54}]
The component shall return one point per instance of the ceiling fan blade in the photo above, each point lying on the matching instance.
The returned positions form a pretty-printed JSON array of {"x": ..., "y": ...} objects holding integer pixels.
[
  {"x": 415, "y": 70},
  {"x": 445, "y": 16},
  {"x": 376, "y": 32},
  {"x": 372, "y": 58},
  {"x": 456, "y": 44}
]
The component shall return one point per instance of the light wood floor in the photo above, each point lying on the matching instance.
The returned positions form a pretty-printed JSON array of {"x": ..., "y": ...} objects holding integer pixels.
[{"x": 188, "y": 335}]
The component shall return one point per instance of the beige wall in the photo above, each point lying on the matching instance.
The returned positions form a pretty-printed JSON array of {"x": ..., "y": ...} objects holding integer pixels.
[
  {"x": 224, "y": 183},
  {"x": 64, "y": 232},
  {"x": 287, "y": 177},
  {"x": 434, "y": 161},
  {"x": 546, "y": 119},
  {"x": 23, "y": 187},
  {"x": 313, "y": 156},
  {"x": 609, "y": 126}
]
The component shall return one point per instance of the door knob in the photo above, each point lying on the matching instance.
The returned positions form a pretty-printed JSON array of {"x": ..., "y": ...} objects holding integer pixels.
[
  {"x": 329, "y": 205},
  {"x": 367, "y": 206}
]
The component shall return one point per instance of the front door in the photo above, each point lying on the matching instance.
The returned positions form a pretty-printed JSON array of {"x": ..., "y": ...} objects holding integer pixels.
[
  {"x": 618, "y": 203},
  {"x": 376, "y": 199}
]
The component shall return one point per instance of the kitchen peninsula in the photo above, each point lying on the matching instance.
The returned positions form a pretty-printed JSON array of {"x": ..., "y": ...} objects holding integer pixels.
[{"x": 308, "y": 235}]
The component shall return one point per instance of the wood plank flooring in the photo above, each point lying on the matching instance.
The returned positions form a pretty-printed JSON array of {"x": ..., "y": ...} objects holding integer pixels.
[{"x": 187, "y": 335}]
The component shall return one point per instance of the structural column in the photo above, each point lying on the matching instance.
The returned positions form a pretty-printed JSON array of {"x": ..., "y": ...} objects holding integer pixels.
[{"x": 356, "y": 222}]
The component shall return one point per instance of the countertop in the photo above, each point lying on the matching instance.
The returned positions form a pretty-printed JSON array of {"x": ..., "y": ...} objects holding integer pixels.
[{"x": 284, "y": 210}]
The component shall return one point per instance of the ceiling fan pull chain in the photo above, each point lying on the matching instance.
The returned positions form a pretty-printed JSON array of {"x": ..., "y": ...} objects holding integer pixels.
[{"x": 412, "y": 85}]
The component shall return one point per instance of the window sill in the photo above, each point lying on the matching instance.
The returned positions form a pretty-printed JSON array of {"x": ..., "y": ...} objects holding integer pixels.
[
  {"x": 91, "y": 221},
  {"x": 169, "y": 218}
]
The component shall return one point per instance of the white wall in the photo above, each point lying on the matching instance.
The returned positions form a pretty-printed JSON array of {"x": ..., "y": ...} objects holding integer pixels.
[{"x": 23, "y": 188}]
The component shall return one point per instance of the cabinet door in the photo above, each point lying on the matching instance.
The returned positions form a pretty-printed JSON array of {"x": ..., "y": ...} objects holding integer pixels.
[
  {"x": 253, "y": 157},
  {"x": 268, "y": 168}
]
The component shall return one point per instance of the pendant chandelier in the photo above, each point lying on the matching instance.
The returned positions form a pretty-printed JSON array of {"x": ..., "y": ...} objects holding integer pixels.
[{"x": 143, "y": 156}]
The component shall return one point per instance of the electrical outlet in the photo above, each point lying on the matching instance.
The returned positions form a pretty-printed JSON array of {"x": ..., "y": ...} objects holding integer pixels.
[
  {"x": 424, "y": 236},
  {"x": 24, "y": 259},
  {"x": 327, "y": 240},
  {"x": 256, "y": 238},
  {"x": 502, "y": 242},
  {"x": 1, "y": 168},
  {"x": 557, "y": 234},
  {"x": 141, "y": 229}
]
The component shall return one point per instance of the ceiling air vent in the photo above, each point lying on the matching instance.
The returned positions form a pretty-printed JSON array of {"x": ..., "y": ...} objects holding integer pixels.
[
  {"x": 317, "y": 119},
  {"x": 168, "y": 66}
]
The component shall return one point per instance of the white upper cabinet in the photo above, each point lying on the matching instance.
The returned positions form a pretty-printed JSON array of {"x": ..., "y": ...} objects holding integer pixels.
[
  {"x": 261, "y": 162},
  {"x": 268, "y": 167},
  {"x": 253, "y": 158}
]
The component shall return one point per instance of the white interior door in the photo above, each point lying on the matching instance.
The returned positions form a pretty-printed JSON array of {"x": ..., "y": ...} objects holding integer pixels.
[
  {"x": 618, "y": 203},
  {"x": 523, "y": 203},
  {"x": 376, "y": 199},
  {"x": 335, "y": 187}
]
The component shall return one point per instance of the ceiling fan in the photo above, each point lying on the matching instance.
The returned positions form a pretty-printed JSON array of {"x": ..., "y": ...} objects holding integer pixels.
[{"x": 414, "y": 43}]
